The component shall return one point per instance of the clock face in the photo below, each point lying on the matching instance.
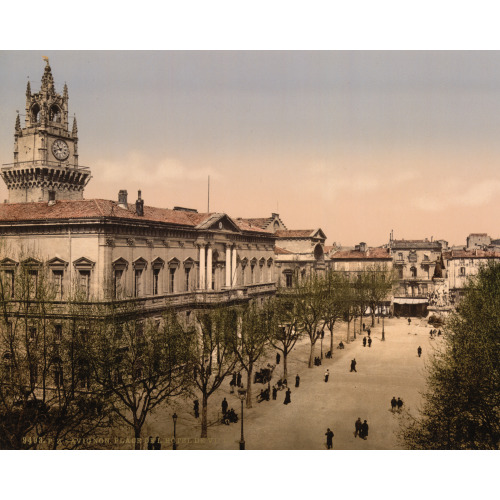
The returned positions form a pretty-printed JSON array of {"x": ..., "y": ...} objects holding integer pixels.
[{"x": 60, "y": 149}]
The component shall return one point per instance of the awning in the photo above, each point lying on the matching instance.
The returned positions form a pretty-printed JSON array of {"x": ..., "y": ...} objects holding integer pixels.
[{"x": 409, "y": 300}]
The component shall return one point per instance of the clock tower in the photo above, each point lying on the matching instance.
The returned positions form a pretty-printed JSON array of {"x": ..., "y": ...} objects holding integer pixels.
[{"x": 45, "y": 164}]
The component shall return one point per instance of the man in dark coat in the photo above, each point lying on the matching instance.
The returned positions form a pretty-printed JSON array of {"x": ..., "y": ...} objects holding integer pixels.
[
  {"x": 224, "y": 406},
  {"x": 364, "y": 341},
  {"x": 297, "y": 380},
  {"x": 393, "y": 403},
  {"x": 238, "y": 381},
  {"x": 364, "y": 430},
  {"x": 275, "y": 392},
  {"x": 329, "y": 439},
  {"x": 399, "y": 402},
  {"x": 196, "y": 408},
  {"x": 369, "y": 341},
  {"x": 278, "y": 357},
  {"x": 353, "y": 365},
  {"x": 357, "y": 427},
  {"x": 419, "y": 351},
  {"x": 157, "y": 444},
  {"x": 287, "y": 397},
  {"x": 150, "y": 443}
]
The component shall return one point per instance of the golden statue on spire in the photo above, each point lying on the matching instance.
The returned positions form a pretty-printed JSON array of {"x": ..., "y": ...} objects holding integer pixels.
[{"x": 46, "y": 59}]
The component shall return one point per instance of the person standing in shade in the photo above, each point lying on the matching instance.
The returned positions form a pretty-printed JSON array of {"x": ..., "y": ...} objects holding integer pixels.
[
  {"x": 297, "y": 380},
  {"x": 364, "y": 430},
  {"x": 157, "y": 444},
  {"x": 353, "y": 365},
  {"x": 150, "y": 443},
  {"x": 275, "y": 392},
  {"x": 288, "y": 399},
  {"x": 278, "y": 358},
  {"x": 327, "y": 374},
  {"x": 329, "y": 439},
  {"x": 364, "y": 341},
  {"x": 196, "y": 408},
  {"x": 419, "y": 351},
  {"x": 400, "y": 404},
  {"x": 394, "y": 403},
  {"x": 238, "y": 381},
  {"x": 369, "y": 341},
  {"x": 224, "y": 406},
  {"x": 357, "y": 427}
]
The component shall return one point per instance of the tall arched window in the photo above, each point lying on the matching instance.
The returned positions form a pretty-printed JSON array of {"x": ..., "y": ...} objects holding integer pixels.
[{"x": 413, "y": 271}]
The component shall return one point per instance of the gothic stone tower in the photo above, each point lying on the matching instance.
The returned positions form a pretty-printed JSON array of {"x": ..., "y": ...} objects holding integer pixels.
[{"x": 45, "y": 164}]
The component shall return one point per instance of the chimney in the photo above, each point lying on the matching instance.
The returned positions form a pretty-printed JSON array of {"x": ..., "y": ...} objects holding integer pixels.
[
  {"x": 122, "y": 199},
  {"x": 139, "y": 204},
  {"x": 362, "y": 247}
]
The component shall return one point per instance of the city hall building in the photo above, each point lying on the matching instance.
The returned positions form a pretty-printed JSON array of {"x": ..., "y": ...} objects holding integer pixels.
[{"x": 118, "y": 249}]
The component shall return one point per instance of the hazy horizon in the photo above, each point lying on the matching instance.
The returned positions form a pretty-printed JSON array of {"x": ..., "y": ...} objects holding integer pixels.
[{"x": 357, "y": 143}]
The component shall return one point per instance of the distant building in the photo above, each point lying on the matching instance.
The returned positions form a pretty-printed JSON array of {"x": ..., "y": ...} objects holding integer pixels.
[{"x": 478, "y": 240}]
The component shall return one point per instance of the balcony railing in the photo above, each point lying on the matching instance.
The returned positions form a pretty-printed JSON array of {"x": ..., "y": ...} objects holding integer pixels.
[{"x": 6, "y": 167}]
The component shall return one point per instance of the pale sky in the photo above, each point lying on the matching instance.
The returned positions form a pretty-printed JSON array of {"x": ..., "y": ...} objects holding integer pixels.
[{"x": 357, "y": 143}]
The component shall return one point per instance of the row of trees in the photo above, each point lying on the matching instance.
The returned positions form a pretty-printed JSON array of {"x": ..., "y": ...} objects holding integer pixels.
[{"x": 71, "y": 372}]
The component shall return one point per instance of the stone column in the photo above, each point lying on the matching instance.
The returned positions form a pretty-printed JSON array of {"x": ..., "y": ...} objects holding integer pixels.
[
  {"x": 233, "y": 268},
  {"x": 209, "y": 268},
  {"x": 202, "y": 266},
  {"x": 228, "y": 266}
]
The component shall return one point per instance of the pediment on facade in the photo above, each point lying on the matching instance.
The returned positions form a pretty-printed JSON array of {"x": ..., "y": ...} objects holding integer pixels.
[
  {"x": 8, "y": 262},
  {"x": 219, "y": 222},
  {"x": 57, "y": 262},
  {"x": 120, "y": 263},
  {"x": 319, "y": 234},
  {"x": 84, "y": 263},
  {"x": 174, "y": 262},
  {"x": 140, "y": 263},
  {"x": 157, "y": 263},
  {"x": 31, "y": 262},
  {"x": 189, "y": 262}
]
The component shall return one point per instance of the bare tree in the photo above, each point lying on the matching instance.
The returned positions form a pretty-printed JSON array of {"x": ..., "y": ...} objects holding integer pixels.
[
  {"x": 337, "y": 291},
  {"x": 213, "y": 356}
]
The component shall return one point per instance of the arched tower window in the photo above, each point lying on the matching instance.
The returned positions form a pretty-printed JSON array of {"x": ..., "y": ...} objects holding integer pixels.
[
  {"x": 35, "y": 113},
  {"x": 55, "y": 114}
]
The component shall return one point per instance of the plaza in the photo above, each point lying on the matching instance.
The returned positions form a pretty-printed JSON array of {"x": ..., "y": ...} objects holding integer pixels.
[{"x": 386, "y": 369}]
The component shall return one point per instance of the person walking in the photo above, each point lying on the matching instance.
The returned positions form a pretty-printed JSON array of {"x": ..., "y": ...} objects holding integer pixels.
[
  {"x": 409, "y": 321},
  {"x": 369, "y": 331},
  {"x": 400, "y": 404},
  {"x": 196, "y": 408},
  {"x": 357, "y": 427},
  {"x": 329, "y": 439},
  {"x": 238, "y": 380},
  {"x": 297, "y": 380},
  {"x": 224, "y": 406},
  {"x": 353, "y": 365},
  {"x": 393, "y": 403},
  {"x": 327, "y": 374},
  {"x": 288, "y": 399},
  {"x": 278, "y": 358},
  {"x": 275, "y": 392},
  {"x": 419, "y": 351},
  {"x": 369, "y": 341},
  {"x": 364, "y": 341},
  {"x": 364, "y": 430}
]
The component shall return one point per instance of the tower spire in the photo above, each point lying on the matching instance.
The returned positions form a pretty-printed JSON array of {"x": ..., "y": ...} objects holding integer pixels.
[
  {"x": 47, "y": 78},
  {"x": 74, "y": 132},
  {"x": 28, "y": 90},
  {"x": 18, "y": 124}
]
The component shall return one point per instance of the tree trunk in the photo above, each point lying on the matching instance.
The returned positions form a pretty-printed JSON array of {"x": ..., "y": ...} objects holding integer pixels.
[
  {"x": 311, "y": 356},
  {"x": 204, "y": 416},
  {"x": 331, "y": 339},
  {"x": 348, "y": 331},
  {"x": 354, "y": 327},
  {"x": 285, "y": 371},
  {"x": 249, "y": 385},
  {"x": 137, "y": 435}
]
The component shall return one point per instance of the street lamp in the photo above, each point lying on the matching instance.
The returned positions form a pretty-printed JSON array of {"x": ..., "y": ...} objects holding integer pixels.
[
  {"x": 174, "y": 418},
  {"x": 383, "y": 331},
  {"x": 242, "y": 395}
]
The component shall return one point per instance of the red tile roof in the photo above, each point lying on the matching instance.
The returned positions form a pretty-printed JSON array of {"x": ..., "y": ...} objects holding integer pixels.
[
  {"x": 471, "y": 254},
  {"x": 294, "y": 233},
  {"x": 370, "y": 254},
  {"x": 100, "y": 209}
]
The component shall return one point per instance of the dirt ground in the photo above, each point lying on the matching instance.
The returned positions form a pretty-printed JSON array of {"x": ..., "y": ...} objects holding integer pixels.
[{"x": 386, "y": 369}]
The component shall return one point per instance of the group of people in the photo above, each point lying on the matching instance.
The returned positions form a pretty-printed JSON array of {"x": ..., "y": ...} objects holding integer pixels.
[
  {"x": 154, "y": 446},
  {"x": 264, "y": 375},
  {"x": 228, "y": 416},
  {"x": 396, "y": 404},
  {"x": 435, "y": 333},
  {"x": 361, "y": 429},
  {"x": 235, "y": 381},
  {"x": 365, "y": 341},
  {"x": 317, "y": 361}
]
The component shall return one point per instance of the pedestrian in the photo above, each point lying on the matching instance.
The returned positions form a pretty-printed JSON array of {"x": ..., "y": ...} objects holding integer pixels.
[
  {"x": 353, "y": 365},
  {"x": 234, "y": 378},
  {"x": 364, "y": 341},
  {"x": 278, "y": 358},
  {"x": 400, "y": 404},
  {"x": 439, "y": 333},
  {"x": 238, "y": 382},
  {"x": 364, "y": 430},
  {"x": 150, "y": 443},
  {"x": 196, "y": 408},
  {"x": 275, "y": 392},
  {"x": 393, "y": 403},
  {"x": 329, "y": 439},
  {"x": 363, "y": 327},
  {"x": 327, "y": 374},
  {"x": 297, "y": 380},
  {"x": 409, "y": 321},
  {"x": 231, "y": 385},
  {"x": 357, "y": 427},
  {"x": 369, "y": 331},
  {"x": 369, "y": 341},
  {"x": 157, "y": 444},
  {"x": 419, "y": 351},
  {"x": 224, "y": 406},
  {"x": 287, "y": 397}
]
